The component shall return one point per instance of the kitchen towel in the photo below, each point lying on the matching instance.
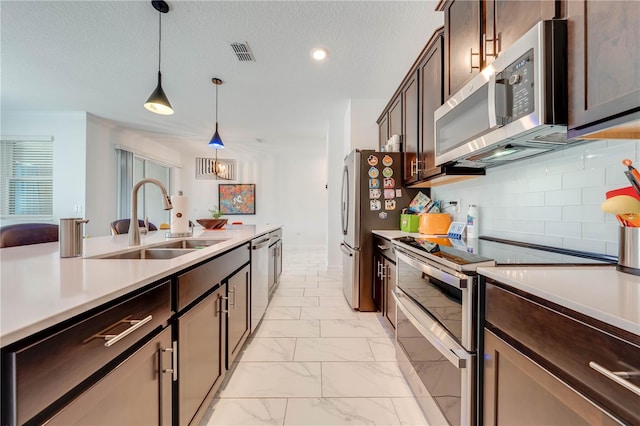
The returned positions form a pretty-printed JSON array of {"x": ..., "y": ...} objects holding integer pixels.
[{"x": 179, "y": 217}]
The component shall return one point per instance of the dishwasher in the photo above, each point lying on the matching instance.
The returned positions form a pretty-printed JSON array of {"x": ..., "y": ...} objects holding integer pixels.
[{"x": 259, "y": 279}]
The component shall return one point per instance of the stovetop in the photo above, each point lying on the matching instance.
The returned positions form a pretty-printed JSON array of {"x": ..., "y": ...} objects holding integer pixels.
[{"x": 481, "y": 252}]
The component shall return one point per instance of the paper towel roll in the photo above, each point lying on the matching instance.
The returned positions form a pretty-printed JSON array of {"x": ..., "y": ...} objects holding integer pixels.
[{"x": 179, "y": 216}]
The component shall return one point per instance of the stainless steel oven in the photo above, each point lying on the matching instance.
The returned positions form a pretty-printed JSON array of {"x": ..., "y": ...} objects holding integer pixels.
[{"x": 436, "y": 336}]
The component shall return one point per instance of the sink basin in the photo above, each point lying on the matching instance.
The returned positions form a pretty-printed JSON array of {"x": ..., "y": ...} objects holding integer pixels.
[
  {"x": 149, "y": 254},
  {"x": 190, "y": 244}
]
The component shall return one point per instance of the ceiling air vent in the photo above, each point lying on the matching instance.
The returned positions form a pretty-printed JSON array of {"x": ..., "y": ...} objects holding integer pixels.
[{"x": 242, "y": 52}]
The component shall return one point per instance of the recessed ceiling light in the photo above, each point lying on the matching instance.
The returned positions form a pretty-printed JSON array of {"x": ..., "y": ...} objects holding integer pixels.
[{"x": 319, "y": 54}]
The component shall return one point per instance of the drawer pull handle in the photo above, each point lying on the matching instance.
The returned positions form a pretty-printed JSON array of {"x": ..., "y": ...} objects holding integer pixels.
[
  {"x": 111, "y": 339},
  {"x": 617, "y": 376}
]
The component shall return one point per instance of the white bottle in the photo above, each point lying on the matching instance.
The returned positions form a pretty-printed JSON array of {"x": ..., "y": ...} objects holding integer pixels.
[{"x": 472, "y": 221}]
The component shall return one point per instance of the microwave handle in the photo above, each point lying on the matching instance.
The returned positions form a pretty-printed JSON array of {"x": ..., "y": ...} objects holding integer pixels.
[{"x": 493, "y": 119}]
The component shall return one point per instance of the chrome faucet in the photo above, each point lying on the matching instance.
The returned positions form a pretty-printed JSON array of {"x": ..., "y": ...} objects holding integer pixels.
[{"x": 134, "y": 228}]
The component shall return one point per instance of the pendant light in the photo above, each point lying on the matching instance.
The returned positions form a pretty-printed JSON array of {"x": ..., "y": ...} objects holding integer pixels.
[
  {"x": 216, "y": 141},
  {"x": 158, "y": 102}
]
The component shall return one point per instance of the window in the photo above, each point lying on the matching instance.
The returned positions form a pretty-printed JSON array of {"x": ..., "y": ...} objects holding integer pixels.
[
  {"x": 27, "y": 177},
  {"x": 133, "y": 168}
]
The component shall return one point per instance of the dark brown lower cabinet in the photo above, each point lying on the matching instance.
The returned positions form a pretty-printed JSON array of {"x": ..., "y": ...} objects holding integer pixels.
[
  {"x": 238, "y": 318},
  {"x": 389, "y": 289},
  {"x": 201, "y": 351},
  {"x": 136, "y": 392},
  {"x": 518, "y": 391},
  {"x": 547, "y": 364}
]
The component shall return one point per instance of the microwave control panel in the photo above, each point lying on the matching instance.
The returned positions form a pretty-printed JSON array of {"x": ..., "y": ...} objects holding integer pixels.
[{"x": 518, "y": 84}]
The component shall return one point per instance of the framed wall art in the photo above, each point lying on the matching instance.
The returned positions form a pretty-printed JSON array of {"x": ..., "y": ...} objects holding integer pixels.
[{"x": 237, "y": 198}]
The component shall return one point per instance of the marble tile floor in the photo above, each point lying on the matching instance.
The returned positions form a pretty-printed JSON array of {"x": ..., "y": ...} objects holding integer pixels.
[{"x": 315, "y": 361}]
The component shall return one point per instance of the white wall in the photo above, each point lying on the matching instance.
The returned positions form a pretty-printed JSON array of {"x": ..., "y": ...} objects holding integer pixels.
[
  {"x": 102, "y": 168},
  {"x": 552, "y": 199},
  {"x": 355, "y": 129},
  {"x": 290, "y": 188},
  {"x": 68, "y": 130}
]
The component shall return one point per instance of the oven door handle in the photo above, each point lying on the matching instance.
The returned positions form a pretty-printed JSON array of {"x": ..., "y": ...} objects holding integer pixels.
[
  {"x": 436, "y": 273},
  {"x": 434, "y": 333}
]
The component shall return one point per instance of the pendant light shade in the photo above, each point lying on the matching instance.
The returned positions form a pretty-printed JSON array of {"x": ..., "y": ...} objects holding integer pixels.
[
  {"x": 216, "y": 140},
  {"x": 158, "y": 101}
]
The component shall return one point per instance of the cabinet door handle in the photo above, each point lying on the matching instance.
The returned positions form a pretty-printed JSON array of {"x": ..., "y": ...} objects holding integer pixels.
[
  {"x": 618, "y": 377},
  {"x": 174, "y": 360},
  {"x": 111, "y": 339},
  {"x": 234, "y": 297},
  {"x": 219, "y": 309},
  {"x": 378, "y": 271},
  {"x": 383, "y": 247},
  {"x": 471, "y": 55}
]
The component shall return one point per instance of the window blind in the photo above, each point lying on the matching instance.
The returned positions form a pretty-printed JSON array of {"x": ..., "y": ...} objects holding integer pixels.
[{"x": 27, "y": 178}]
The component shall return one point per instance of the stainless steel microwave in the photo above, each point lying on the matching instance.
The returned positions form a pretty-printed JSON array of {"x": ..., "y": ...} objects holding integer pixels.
[{"x": 513, "y": 109}]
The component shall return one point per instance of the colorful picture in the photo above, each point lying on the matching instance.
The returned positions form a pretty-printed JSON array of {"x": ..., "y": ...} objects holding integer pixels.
[{"x": 237, "y": 198}]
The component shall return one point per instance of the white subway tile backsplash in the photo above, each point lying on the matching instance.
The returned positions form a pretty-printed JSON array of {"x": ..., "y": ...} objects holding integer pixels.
[
  {"x": 593, "y": 196},
  {"x": 530, "y": 199},
  {"x": 563, "y": 197},
  {"x": 572, "y": 162},
  {"x": 600, "y": 231},
  {"x": 563, "y": 229},
  {"x": 590, "y": 246},
  {"x": 611, "y": 154},
  {"x": 583, "y": 179},
  {"x": 553, "y": 199},
  {"x": 583, "y": 213},
  {"x": 544, "y": 183}
]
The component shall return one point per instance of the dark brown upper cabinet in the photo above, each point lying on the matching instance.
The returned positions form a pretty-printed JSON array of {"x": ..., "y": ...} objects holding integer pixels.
[
  {"x": 430, "y": 71},
  {"x": 383, "y": 131},
  {"x": 462, "y": 35},
  {"x": 410, "y": 128},
  {"x": 475, "y": 32},
  {"x": 604, "y": 69}
]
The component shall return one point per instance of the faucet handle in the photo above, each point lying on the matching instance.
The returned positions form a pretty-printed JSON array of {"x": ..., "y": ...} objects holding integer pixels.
[{"x": 146, "y": 225}]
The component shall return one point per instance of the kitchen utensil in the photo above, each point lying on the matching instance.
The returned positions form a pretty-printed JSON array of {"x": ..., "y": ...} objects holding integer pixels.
[
  {"x": 620, "y": 205},
  {"x": 634, "y": 182},
  {"x": 632, "y": 169},
  {"x": 627, "y": 190},
  {"x": 631, "y": 219}
]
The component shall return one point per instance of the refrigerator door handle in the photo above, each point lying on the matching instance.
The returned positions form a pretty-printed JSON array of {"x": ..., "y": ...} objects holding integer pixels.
[
  {"x": 345, "y": 250},
  {"x": 345, "y": 201}
]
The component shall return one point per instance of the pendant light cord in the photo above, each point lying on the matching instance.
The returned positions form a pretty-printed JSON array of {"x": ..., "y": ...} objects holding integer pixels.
[
  {"x": 217, "y": 106},
  {"x": 159, "y": 38}
]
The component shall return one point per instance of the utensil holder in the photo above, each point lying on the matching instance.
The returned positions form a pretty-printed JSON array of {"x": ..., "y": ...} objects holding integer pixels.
[{"x": 629, "y": 250}]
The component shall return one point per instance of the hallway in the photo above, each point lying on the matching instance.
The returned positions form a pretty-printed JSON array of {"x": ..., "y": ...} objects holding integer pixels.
[{"x": 315, "y": 361}]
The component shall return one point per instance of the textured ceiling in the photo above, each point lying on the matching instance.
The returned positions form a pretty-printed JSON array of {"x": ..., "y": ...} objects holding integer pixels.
[{"x": 102, "y": 56}]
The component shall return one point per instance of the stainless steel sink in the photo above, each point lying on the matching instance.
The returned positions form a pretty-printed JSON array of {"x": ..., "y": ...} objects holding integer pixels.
[
  {"x": 148, "y": 254},
  {"x": 187, "y": 244}
]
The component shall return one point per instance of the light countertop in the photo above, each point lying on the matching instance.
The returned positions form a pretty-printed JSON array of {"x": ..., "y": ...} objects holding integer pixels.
[
  {"x": 600, "y": 292},
  {"x": 38, "y": 289}
]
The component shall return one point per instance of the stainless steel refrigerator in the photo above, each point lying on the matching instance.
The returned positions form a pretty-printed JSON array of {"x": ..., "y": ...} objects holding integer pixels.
[{"x": 372, "y": 198}]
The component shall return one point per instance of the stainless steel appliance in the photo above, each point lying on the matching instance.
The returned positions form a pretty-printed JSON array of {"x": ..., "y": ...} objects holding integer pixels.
[
  {"x": 372, "y": 198},
  {"x": 514, "y": 109},
  {"x": 259, "y": 279},
  {"x": 439, "y": 315}
]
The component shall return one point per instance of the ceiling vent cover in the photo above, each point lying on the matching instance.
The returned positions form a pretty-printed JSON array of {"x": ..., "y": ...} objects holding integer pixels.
[{"x": 242, "y": 52}]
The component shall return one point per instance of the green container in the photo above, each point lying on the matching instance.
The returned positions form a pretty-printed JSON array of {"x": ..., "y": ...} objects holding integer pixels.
[{"x": 409, "y": 222}]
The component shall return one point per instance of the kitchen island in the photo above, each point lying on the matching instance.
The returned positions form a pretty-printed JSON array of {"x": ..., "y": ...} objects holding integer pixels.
[{"x": 115, "y": 313}]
